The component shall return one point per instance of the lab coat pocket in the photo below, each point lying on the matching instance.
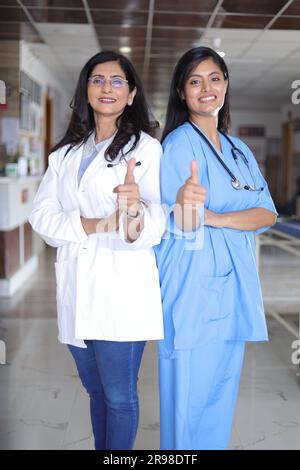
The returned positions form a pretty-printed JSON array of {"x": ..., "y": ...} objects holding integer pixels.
[{"x": 63, "y": 279}]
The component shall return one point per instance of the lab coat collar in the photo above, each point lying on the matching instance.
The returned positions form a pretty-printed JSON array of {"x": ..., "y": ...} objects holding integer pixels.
[{"x": 90, "y": 146}]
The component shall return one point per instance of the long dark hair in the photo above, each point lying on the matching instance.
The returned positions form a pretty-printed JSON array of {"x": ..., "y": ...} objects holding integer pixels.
[
  {"x": 177, "y": 112},
  {"x": 134, "y": 119}
]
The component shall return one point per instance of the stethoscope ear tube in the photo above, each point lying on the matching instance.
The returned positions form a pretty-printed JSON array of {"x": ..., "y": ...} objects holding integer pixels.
[
  {"x": 233, "y": 178},
  {"x": 236, "y": 184}
]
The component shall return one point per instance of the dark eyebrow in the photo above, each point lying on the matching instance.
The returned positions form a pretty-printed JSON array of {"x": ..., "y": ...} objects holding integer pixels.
[
  {"x": 198, "y": 75},
  {"x": 111, "y": 76}
]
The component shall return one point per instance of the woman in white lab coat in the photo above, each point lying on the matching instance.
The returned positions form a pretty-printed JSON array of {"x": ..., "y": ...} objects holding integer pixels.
[{"x": 99, "y": 204}]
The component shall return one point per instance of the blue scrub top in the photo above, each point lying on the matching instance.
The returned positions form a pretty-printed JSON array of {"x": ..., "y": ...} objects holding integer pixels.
[{"x": 212, "y": 293}]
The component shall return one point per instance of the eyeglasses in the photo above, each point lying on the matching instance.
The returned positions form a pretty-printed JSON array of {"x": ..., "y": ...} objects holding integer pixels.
[{"x": 115, "y": 82}]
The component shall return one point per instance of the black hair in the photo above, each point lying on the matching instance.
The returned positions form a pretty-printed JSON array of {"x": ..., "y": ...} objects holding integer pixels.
[
  {"x": 133, "y": 120},
  {"x": 177, "y": 111}
]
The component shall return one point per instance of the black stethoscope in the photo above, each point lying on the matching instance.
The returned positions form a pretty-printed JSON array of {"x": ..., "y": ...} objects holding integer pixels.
[
  {"x": 236, "y": 153},
  {"x": 123, "y": 157},
  {"x": 111, "y": 165}
]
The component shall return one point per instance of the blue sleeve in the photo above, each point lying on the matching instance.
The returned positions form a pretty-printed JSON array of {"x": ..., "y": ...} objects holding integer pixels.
[
  {"x": 175, "y": 165},
  {"x": 175, "y": 170},
  {"x": 264, "y": 198}
]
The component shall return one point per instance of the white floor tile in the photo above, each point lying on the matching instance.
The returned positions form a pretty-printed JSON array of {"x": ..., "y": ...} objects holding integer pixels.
[{"x": 44, "y": 406}]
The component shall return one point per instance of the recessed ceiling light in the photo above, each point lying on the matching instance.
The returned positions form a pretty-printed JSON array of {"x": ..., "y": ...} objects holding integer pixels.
[
  {"x": 125, "y": 50},
  {"x": 217, "y": 42},
  {"x": 221, "y": 53}
]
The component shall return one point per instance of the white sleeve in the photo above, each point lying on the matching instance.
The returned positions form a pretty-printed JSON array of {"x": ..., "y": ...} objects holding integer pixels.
[
  {"x": 48, "y": 218},
  {"x": 149, "y": 153}
]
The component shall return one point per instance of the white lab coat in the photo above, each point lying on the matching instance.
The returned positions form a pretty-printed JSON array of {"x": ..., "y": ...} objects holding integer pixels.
[{"x": 107, "y": 288}]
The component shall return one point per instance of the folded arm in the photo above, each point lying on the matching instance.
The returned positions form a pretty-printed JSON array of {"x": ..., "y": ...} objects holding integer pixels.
[{"x": 248, "y": 219}]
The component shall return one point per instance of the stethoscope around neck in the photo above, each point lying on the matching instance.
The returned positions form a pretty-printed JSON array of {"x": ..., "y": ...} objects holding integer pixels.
[
  {"x": 236, "y": 154},
  {"x": 123, "y": 159},
  {"x": 112, "y": 165}
]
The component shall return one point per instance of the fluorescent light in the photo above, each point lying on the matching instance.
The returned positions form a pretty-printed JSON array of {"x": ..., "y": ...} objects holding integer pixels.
[
  {"x": 217, "y": 42},
  {"x": 125, "y": 50}
]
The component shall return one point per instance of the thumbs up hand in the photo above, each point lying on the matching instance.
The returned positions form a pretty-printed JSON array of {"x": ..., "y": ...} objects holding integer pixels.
[
  {"x": 194, "y": 172},
  {"x": 128, "y": 194},
  {"x": 192, "y": 193},
  {"x": 129, "y": 177},
  {"x": 189, "y": 198}
]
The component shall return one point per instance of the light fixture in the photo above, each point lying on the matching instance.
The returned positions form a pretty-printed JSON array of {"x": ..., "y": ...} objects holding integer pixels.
[
  {"x": 217, "y": 42},
  {"x": 125, "y": 50},
  {"x": 221, "y": 53}
]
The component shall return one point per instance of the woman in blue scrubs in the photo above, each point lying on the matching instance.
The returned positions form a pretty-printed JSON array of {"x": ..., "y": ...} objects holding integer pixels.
[{"x": 210, "y": 287}]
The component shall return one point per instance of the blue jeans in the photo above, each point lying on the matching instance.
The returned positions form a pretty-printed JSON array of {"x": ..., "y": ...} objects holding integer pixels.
[{"x": 109, "y": 372}]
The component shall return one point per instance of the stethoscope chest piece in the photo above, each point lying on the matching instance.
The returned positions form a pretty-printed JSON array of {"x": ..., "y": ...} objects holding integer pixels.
[{"x": 236, "y": 184}]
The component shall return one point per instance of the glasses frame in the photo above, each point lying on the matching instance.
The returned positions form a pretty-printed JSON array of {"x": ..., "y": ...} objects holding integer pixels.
[{"x": 105, "y": 80}]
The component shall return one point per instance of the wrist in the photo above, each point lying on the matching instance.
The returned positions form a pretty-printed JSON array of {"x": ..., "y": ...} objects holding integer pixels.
[
  {"x": 89, "y": 225},
  {"x": 137, "y": 214},
  {"x": 92, "y": 225},
  {"x": 224, "y": 220}
]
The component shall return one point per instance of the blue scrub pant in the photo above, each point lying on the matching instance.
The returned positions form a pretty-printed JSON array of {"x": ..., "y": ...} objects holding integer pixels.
[
  {"x": 198, "y": 392},
  {"x": 109, "y": 373}
]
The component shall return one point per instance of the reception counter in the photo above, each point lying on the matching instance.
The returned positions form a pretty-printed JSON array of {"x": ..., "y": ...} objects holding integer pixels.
[{"x": 19, "y": 245}]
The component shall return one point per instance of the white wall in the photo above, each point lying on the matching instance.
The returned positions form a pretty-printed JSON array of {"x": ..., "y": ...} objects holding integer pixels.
[
  {"x": 260, "y": 146},
  {"x": 39, "y": 71},
  {"x": 270, "y": 119}
]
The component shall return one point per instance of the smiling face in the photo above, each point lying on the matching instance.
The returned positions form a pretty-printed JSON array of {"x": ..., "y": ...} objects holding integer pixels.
[
  {"x": 105, "y": 99},
  {"x": 205, "y": 89}
]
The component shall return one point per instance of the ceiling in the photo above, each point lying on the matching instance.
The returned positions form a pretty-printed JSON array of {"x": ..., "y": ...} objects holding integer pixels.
[{"x": 259, "y": 37}]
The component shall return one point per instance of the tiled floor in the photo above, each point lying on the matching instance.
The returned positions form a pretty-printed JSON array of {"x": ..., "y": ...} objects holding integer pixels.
[{"x": 43, "y": 405}]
